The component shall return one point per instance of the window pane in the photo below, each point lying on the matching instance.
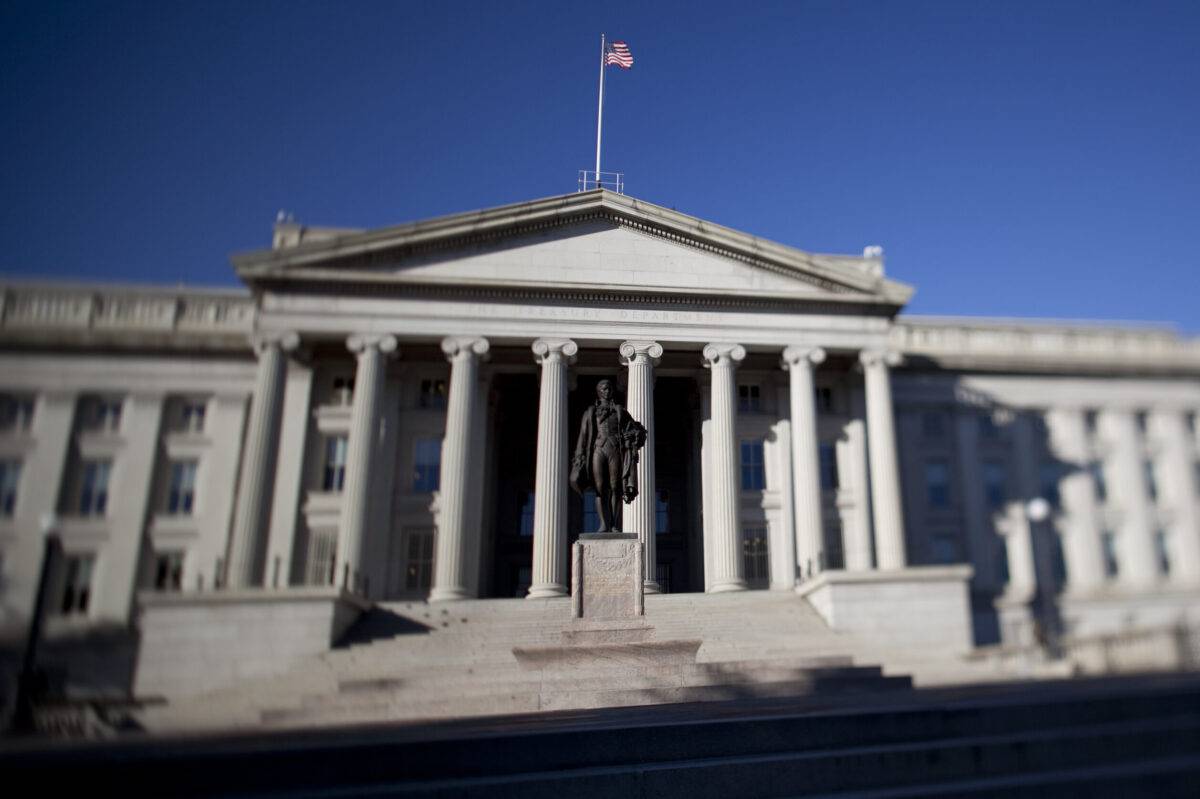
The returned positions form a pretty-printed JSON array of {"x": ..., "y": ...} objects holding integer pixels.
[
  {"x": 334, "y": 477},
  {"x": 526, "y": 528},
  {"x": 10, "y": 477},
  {"x": 753, "y": 476},
  {"x": 937, "y": 483},
  {"x": 591, "y": 518},
  {"x": 995, "y": 484},
  {"x": 755, "y": 556},
  {"x": 427, "y": 465},
  {"x": 829, "y": 472}
]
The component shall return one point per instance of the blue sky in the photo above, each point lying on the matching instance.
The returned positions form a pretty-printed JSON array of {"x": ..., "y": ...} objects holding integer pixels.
[{"x": 1013, "y": 158}]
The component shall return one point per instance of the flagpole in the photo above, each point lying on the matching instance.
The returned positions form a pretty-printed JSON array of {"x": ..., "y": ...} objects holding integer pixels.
[{"x": 600, "y": 111}]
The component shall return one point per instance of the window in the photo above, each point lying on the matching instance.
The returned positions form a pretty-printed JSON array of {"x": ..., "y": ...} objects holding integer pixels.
[
  {"x": 101, "y": 414},
  {"x": 753, "y": 474},
  {"x": 1096, "y": 469},
  {"x": 825, "y": 399},
  {"x": 937, "y": 484},
  {"x": 16, "y": 413},
  {"x": 322, "y": 557},
  {"x": 1141, "y": 419},
  {"x": 1162, "y": 549},
  {"x": 995, "y": 478},
  {"x": 1058, "y": 561},
  {"x": 662, "y": 513},
  {"x": 1091, "y": 422},
  {"x": 334, "y": 477},
  {"x": 1108, "y": 543},
  {"x": 433, "y": 394},
  {"x": 93, "y": 489},
  {"x": 933, "y": 424},
  {"x": 427, "y": 465},
  {"x": 749, "y": 398},
  {"x": 343, "y": 390},
  {"x": 77, "y": 584},
  {"x": 827, "y": 454},
  {"x": 168, "y": 571},
  {"x": 527, "y": 514},
  {"x": 944, "y": 548},
  {"x": 181, "y": 493},
  {"x": 1148, "y": 478},
  {"x": 755, "y": 556},
  {"x": 1001, "y": 561},
  {"x": 591, "y": 517},
  {"x": 10, "y": 476},
  {"x": 192, "y": 413},
  {"x": 419, "y": 574},
  {"x": 1048, "y": 476}
]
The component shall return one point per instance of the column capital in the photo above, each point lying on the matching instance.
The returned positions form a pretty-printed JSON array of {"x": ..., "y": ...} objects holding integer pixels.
[
  {"x": 719, "y": 353},
  {"x": 361, "y": 342},
  {"x": 455, "y": 346},
  {"x": 797, "y": 354},
  {"x": 546, "y": 349},
  {"x": 286, "y": 340},
  {"x": 880, "y": 357},
  {"x": 633, "y": 349}
]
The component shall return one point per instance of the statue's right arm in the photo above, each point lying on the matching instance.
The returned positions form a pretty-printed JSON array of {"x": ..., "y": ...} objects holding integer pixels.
[{"x": 581, "y": 444}]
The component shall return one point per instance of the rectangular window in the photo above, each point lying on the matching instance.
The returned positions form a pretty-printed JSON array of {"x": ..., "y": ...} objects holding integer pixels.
[
  {"x": 828, "y": 464},
  {"x": 334, "y": 477},
  {"x": 1096, "y": 469},
  {"x": 749, "y": 398},
  {"x": 433, "y": 394},
  {"x": 1151, "y": 483},
  {"x": 755, "y": 557},
  {"x": 343, "y": 390},
  {"x": 192, "y": 414},
  {"x": 427, "y": 465},
  {"x": 93, "y": 489},
  {"x": 937, "y": 484},
  {"x": 168, "y": 571},
  {"x": 1108, "y": 542},
  {"x": 1162, "y": 549},
  {"x": 322, "y": 557},
  {"x": 591, "y": 517},
  {"x": 933, "y": 424},
  {"x": 995, "y": 484},
  {"x": 1091, "y": 423},
  {"x": 944, "y": 548},
  {"x": 16, "y": 413},
  {"x": 1048, "y": 477},
  {"x": 77, "y": 584},
  {"x": 181, "y": 493},
  {"x": 662, "y": 514},
  {"x": 527, "y": 514},
  {"x": 419, "y": 574},
  {"x": 101, "y": 414},
  {"x": 10, "y": 478},
  {"x": 753, "y": 473}
]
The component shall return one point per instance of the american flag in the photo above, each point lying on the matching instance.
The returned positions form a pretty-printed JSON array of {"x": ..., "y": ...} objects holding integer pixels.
[{"x": 618, "y": 53}]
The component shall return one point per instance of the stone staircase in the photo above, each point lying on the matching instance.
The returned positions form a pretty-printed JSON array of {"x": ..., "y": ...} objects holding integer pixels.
[{"x": 412, "y": 661}]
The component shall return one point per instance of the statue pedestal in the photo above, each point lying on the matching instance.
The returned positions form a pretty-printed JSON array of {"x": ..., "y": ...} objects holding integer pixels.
[{"x": 606, "y": 577}]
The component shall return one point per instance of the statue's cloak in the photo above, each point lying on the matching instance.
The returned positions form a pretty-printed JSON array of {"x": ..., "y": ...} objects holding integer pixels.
[{"x": 633, "y": 438}]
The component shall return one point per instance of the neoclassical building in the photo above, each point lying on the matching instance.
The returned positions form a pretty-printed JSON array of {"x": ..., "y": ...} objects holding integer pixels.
[{"x": 390, "y": 412}]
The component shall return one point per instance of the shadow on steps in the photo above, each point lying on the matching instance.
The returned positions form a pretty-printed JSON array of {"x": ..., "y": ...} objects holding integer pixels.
[{"x": 380, "y": 624}]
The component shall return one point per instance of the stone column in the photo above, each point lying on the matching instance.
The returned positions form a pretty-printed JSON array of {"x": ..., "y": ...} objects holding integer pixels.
[
  {"x": 806, "y": 464},
  {"x": 549, "y": 577},
  {"x": 881, "y": 450},
  {"x": 725, "y": 487},
  {"x": 372, "y": 352},
  {"x": 856, "y": 535},
  {"x": 452, "y": 569},
  {"x": 1180, "y": 489},
  {"x": 248, "y": 536},
  {"x": 1083, "y": 552},
  {"x": 1138, "y": 563},
  {"x": 641, "y": 357}
]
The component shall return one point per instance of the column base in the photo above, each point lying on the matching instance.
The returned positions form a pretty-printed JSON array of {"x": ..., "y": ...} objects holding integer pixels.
[
  {"x": 727, "y": 585},
  {"x": 449, "y": 594},
  {"x": 651, "y": 587},
  {"x": 546, "y": 591}
]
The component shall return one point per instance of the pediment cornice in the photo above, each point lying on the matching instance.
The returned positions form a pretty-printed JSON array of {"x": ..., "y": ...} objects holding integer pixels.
[{"x": 350, "y": 257}]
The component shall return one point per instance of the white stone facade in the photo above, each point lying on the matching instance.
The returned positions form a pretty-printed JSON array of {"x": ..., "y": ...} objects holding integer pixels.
[{"x": 391, "y": 413}]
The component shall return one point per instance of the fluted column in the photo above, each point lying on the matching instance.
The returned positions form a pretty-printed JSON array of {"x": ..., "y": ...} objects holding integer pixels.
[
  {"x": 451, "y": 574},
  {"x": 1180, "y": 474},
  {"x": 1138, "y": 565},
  {"x": 641, "y": 357},
  {"x": 722, "y": 360},
  {"x": 881, "y": 451},
  {"x": 248, "y": 536},
  {"x": 549, "y": 577},
  {"x": 372, "y": 352},
  {"x": 806, "y": 464},
  {"x": 1082, "y": 548}
]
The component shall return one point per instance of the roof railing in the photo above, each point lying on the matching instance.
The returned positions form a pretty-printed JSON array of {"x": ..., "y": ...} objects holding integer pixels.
[{"x": 613, "y": 181}]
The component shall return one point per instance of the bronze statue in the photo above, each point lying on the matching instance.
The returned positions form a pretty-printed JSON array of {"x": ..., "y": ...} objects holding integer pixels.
[{"x": 606, "y": 455}]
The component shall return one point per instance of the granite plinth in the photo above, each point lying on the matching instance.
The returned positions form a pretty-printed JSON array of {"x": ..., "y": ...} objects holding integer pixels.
[
  {"x": 638, "y": 655},
  {"x": 606, "y": 577}
]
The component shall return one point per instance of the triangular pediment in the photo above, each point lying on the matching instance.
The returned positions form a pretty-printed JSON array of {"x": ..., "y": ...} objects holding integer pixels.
[{"x": 595, "y": 241}]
